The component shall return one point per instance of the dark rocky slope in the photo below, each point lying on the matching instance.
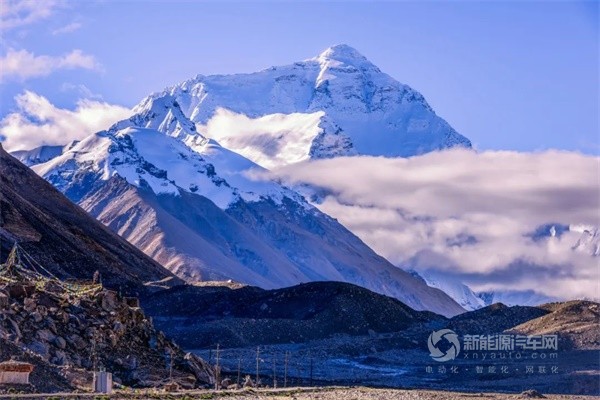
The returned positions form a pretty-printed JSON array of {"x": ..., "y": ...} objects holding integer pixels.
[
  {"x": 202, "y": 316},
  {"x": 63, "y": 237},
  {"x": 493, "y": 319}
]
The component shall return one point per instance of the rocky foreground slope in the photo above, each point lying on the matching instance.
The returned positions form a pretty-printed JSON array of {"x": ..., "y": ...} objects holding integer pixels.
[{"x": 67, "y": 336}]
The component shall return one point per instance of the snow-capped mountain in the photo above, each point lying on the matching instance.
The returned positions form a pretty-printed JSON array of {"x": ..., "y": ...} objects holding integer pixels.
[
  {"x": 514, "y": 298},
  {"x": 589, "y": 241},
  {"x": 454, "y": 288},
  {"x": 335, "y": 104},
  {"x": 588, "y": 236},
  {"x": 471, "y": 300},
  {"x": 187, "y": 201},
  {"x": 41, "y": 154}
]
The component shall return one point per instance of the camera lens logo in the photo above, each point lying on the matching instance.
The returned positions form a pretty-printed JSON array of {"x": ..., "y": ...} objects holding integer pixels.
[{"x": 449, "y": 353}]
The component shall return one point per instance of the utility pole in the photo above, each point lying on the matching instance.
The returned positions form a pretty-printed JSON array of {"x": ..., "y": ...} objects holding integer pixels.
[
  {"x": 94, "y": 359},
  {"x": 170, "y": 365},
  {"x": 217, "y": 372},
  {"x": 239, "y": 371},
  {"x": 311, "y": 369},
  {"x": 285, "y": 369},
  {"x": 274, "y": 372},
  {"x": 257, "y": 361}
]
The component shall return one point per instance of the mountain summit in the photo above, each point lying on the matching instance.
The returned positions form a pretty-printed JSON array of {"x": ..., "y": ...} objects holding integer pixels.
[
  {"x": 335, "y": 104},
  {"x": 342, "y": 53}
]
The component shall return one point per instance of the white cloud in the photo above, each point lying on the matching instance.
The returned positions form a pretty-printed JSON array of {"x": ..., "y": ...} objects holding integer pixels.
[
  {"x": 38, "y": 122},
  {"x": 81, "y": 89},
  {"x": 18, "y": 13},
  {"x": 22, "y": 65},
  {"x": 469, "y": 214},
  {"x": 72, "y": 27}
]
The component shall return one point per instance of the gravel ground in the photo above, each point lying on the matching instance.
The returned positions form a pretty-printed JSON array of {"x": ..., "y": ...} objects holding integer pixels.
[
  {"x": 330, "y": 393},
  {"x": 395, "y": 394},
  {"x": 389, "y": 394}
]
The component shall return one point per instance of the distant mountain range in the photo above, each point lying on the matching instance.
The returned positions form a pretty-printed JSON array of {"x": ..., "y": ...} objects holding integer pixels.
[
  {"x": 471, "y": 300},
  {"x": 174, "y": 179}
]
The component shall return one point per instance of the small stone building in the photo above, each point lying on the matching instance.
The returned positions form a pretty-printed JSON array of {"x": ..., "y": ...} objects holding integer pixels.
[
  {"x": 102, "y": 382},
  {"x": 15, "y": 372}
]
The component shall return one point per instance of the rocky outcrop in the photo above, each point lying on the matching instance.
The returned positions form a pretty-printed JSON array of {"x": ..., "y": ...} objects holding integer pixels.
[{"x": 76, "y": 334}]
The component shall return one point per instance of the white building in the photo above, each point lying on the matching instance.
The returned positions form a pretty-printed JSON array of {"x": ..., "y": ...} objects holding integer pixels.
[
  {"x": 102, "y": 382},
  {"x": 15, "y": 372}
]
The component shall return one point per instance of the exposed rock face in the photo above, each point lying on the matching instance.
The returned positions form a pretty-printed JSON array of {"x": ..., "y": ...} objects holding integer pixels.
[{"x": 78, "y": 333}]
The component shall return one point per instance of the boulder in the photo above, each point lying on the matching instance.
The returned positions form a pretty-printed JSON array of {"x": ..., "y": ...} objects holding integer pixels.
[
  {"x": 60, "y": 342},
  {"x": 132, "y": 301},
  {"x": 203, "y": 371},
  {"x": 19, "y": 291},
  {"x": 77, "y": 342},
  {"x": 29, "y": 304},
  {"x": 45, "y": 335},
  {"x": 109, "y": 300},
  {"x": 226, "y": 383},
  {"x": 41, "y": 348},
  {"x": 37, "y": 317},
  {"x": 3, "y": 301}
]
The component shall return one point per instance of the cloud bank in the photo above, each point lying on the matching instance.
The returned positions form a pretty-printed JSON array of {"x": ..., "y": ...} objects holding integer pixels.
[
  {"x": 22, "y": 64},
  {"x": 38, "y": 122},
  {"x": 469, "y": 215}
]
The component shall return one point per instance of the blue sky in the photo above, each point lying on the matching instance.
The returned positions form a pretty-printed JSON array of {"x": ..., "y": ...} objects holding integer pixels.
[{"x": 508, "y": 75}]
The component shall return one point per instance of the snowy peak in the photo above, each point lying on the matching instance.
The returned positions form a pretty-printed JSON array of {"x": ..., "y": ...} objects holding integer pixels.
[
  {"x": 343, "y": 56},
  {"x": 458, "y": 291},
  {"x": 342, "y": 53},
  {"x": 41, "y": 154},
  {"x": 162, "y": 114},
  {"x": 589, "y": 241},
  {"x": 147, "y": 158},
  {"x": 281, "y": 115}
]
